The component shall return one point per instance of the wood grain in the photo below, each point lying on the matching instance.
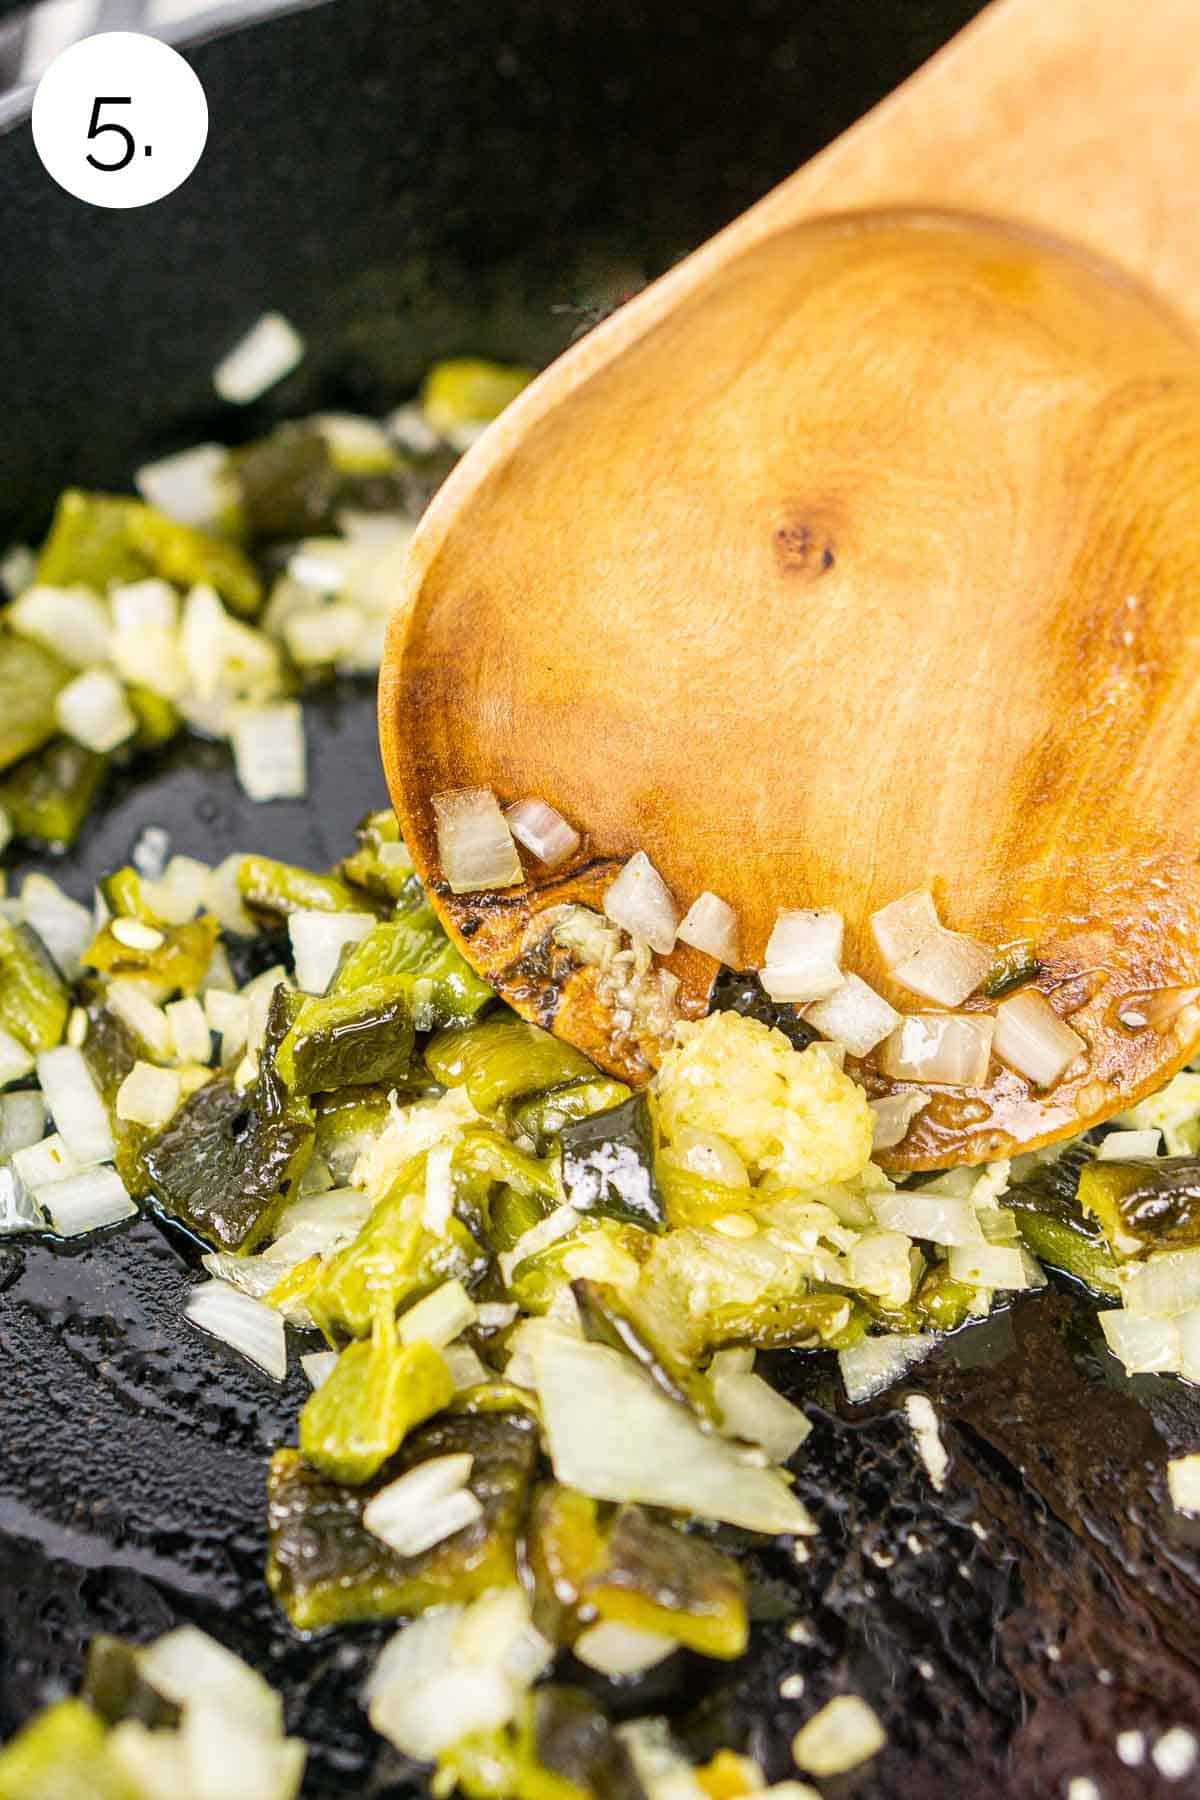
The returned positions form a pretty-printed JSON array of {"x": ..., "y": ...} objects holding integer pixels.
[{"x": 861, "y": 552}]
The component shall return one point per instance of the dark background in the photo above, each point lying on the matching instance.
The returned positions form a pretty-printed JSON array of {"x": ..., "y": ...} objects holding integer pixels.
[{"x": 408, "y": 179}]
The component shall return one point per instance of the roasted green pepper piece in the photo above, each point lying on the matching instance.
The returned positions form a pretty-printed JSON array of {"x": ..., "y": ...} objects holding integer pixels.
[
  {"x": 378, "y": 1391},
  {"x": 503, "y": 1765},
  {"x": 191, "y": 558},
  {"x": 110, "y": 1051},
  {"x": 48, "y": 796},
  {"x": 89, "y": 542},
  {"x": 741, "y": 991},
  {"x": 30, "y": 679},
  {"x": 941, "y": 1302},
  {"x": 1053, "y": 1224},
  {"x": 657, "y": 1578},
  {"x": 124, "y": 894},
  {"x": 348, "y": 1040},
  {"x": 115, "y": 1688},
  {"x": 393, "y": 1259},
  {"x": 347, "y": 1123},
  {"x": 281, "y": 888},
  {"x": 158, "y": 721},
  {"x": 564, "y": 1548},
  {"x": 693, "y": 1199},
  {"x": 62, "y": 1755},
  {"x": 325, "y": 1568},
  {"x": 1144, "y": 1202},
  {"x": 1014, "y": 969},
  {"x": 511, "y": 1215},
  {"x": 34, "y": 1000},
  {"x": 608, "y": 1165},
  {"x": 574, "y": 1740},
  {"x": 381, "y": 864},
  {"x": 794, "y": 1322},
  {"x": 466, "y": 391},
  {"x": 503, "y": 1060},
  {"x": 415, "y": 953},
  {"x": 225, "y": 1166},
  {"x": 287, "y": 483},
  {"x": 645, "y": 1324},
  {"x": 102, "y": 538},
  {"x": 544, "y": 1117},
  {"x": 181, "y": 961}
]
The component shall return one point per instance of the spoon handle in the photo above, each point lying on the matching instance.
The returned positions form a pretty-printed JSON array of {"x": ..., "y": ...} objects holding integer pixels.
[{"x": 1078, "y": 116}]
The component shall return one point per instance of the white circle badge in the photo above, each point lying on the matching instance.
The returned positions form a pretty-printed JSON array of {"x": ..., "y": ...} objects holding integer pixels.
[{"x": 119, "y": 119}]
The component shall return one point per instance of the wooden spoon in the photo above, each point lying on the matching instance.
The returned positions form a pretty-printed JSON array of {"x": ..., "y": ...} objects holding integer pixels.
[{"x": 862, "y": 552}]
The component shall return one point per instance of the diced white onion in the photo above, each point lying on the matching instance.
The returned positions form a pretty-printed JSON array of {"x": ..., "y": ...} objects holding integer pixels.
[
  {"x": 16, "y": 1062},
  {"x": 191, "y": 1038},
  {"x": 1165, "y": 1284},
  {"x": 144, "y": 605},
  {"x": 78, "y": 1112},
  {"x": 1125, "y": 1146},
  {"x": 454, "y": 1672},
  {"x": 149, "y": 1095},
  {"x": 18, "y": 566},
  {"x": 271, "y": 349},
  {"x": 247, "y": 1325},
  {"x": 876, "y": 1363},
  {"x": 936, "y": 1217},
  {"x": 19, "y": 1211},
  {"x": 86, "y": 1201},
  {"x": 228, "y": 1015},
  {"x": 641, "y": 903},
  {"x": 543, "y": 831},
  {"x": 22, "y": 1121},
  {"x": 224, "y": 1756},
  {"x": 187, "y": 1666},
  {"x": 894, "y": 1113},
  {"x": 946, "y": 968},
  {"x": 268, "y": 749},
  {"x": 496, "y": 1315},
  {"x": 881, "y": 1263},
  {"x": 475, "y": 846},
  {"x": 614, "y": 1436},
  {"x": 318, "y": 1366},
  {"x": 1032, "y": 1039},
  {"x": 466, "y": 1368},
  {"x": 751, "y": 1409},
  {"x": 318, "y": 939},
  {"x": 662, "y": 1772},
  {"x": 1183, "y": 1483},
  {"x": 1145, "y": 1346},
  {"x": 947, "y": 1049},
  {"x": 45, "y": 1161},
  {"x": 439, "y": 1318},
  {"x": 182, "y": 890},
  {"x": 188, "y": 486},
  {"x": 428, "y": 1503},
  {"x": 135, "y": 934},
  {"x": 710, "y": 924},
  {"x": 615, "y": 1649},
  {"x": 854, "y": 1015},
  {"x": 845, "y": 1733},
  {"x": 93, "y": 710},
  {"x": 804, "y": 954},
  {"x": 902, "y": 926},
  {"x": 990, "y": 1265},
  {"x": 130, "y": 1002},
  {"x": 73, "y": 622},
  {"x": 64, "y": 926},
  {"x": 322, "y": 634},
  {"x": 547, "y": 1231}
]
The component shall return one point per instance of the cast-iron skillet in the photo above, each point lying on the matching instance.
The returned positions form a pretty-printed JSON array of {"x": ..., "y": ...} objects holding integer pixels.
[{"x": 408, "y": 179}]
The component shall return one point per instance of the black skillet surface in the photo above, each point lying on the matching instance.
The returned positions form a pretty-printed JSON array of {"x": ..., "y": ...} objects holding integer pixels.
[{"x": 409, "y": 179}]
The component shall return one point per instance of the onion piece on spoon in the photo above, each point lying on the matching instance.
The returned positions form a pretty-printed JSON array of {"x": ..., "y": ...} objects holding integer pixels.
[
  {"x": 474, "y": 842},
  {"x": 710, "y": 924},
  {"x": 543, "y": 831},
  {"x": 804, "y": 954},
  {"x": 1032, "y": 1039},
  {"x": 948, "y": 1049},
  {"x": 641, "y": 903}
]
